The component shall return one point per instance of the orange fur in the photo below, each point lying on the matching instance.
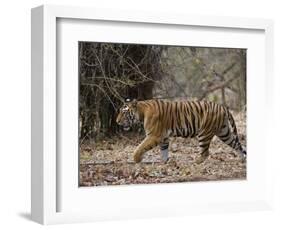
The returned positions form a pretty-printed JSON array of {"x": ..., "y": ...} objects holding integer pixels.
[{"x": 161, "y": 119}]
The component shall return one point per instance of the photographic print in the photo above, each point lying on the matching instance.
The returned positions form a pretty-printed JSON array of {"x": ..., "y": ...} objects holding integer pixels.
[{"x": 161, "y": 114}]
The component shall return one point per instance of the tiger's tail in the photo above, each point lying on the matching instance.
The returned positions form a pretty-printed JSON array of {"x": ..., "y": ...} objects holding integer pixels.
[{"x": 235, "y": 143}]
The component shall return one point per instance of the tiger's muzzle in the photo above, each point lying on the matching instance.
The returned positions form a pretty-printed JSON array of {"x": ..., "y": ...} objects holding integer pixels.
[{"x": 125, "y": 124}]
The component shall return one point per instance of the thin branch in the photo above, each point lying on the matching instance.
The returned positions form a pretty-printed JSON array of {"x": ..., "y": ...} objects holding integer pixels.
[
  {"x": 111, "y": 89},
  {"x": 111, "y": 79},
  {"x": 219, "y": 86},
  {"x": 113, "y": 162},
  {"x": 102, "y": 90},
  {"x": 90, "y": 65}
]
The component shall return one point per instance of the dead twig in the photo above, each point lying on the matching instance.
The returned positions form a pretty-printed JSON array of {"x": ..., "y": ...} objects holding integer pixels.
[
  {"x": 118, "y": 162},
  {"x": 216, "y": 87}
]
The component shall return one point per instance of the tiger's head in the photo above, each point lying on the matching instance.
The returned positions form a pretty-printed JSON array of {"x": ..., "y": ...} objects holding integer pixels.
[{"x": 128, "y": 115}]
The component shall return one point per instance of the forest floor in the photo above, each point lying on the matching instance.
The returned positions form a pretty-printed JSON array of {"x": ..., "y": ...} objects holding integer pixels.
[{"x": 110, "y": 161}]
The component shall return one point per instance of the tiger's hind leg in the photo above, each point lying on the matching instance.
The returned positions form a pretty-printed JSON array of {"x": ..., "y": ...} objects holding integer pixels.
[
  {"x": 231, "y": 140},
  {"x": 164, "y": 145},
  {"x": 204, "y": 144},
  {"x": 148, "y": 143}
]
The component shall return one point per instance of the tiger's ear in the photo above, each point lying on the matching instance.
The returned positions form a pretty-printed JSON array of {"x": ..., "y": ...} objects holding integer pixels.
[{"x": 134, "y": 103}]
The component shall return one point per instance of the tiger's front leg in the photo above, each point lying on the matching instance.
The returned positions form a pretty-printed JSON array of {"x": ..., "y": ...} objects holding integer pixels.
[{"x": 148, "y": 143}]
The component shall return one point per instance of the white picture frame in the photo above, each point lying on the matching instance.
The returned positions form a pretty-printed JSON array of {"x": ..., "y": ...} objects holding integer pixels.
[{"x": 47, "y": 181}]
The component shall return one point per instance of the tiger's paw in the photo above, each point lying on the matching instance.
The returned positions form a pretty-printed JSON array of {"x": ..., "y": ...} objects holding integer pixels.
[
  {"x": 137, "y": 158},
  {"x": 201, "y": 159}
]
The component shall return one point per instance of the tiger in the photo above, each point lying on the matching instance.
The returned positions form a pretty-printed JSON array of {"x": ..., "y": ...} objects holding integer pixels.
[{"x": 162, "y": 119}]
